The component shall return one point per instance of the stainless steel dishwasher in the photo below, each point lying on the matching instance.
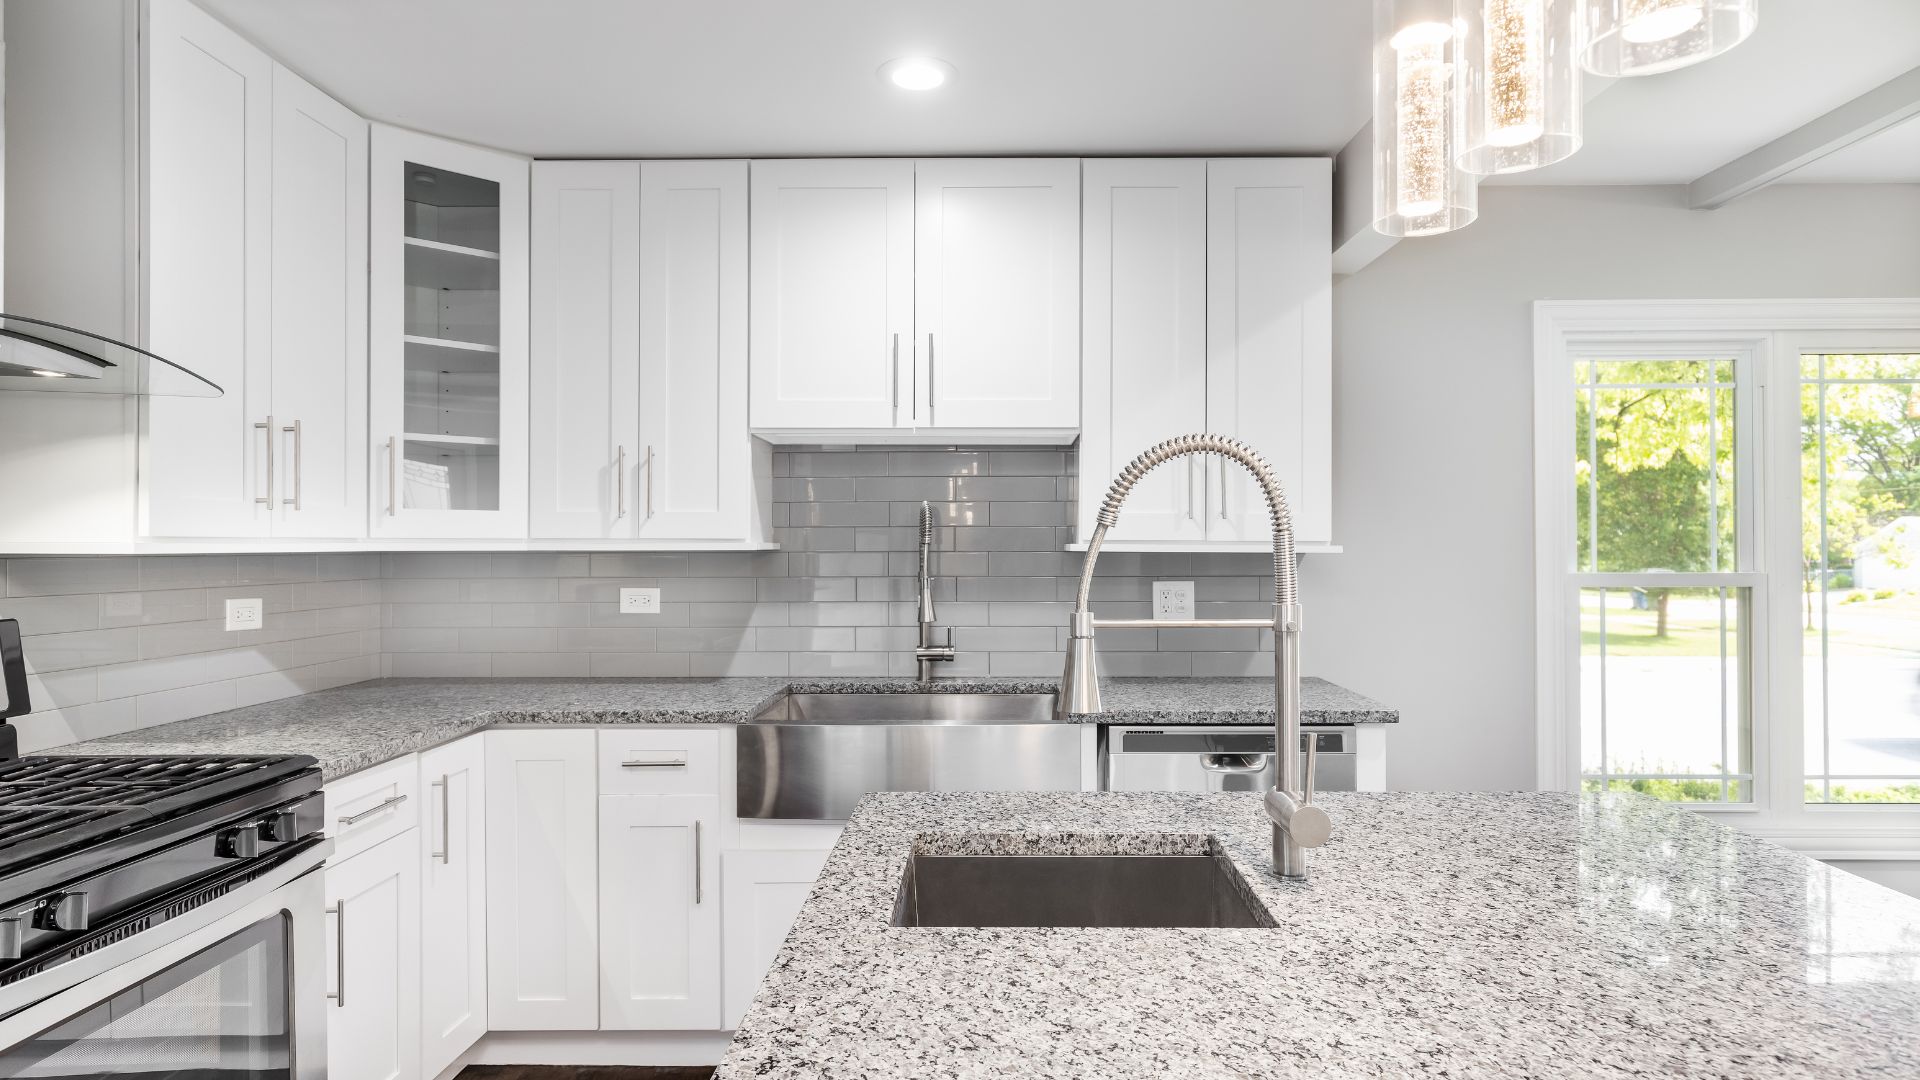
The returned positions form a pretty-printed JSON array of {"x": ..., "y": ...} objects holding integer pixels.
[{"x": 1237, "y": 758}]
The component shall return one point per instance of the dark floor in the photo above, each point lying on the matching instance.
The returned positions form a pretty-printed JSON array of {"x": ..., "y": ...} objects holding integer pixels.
[{"x": 582, "y": 1073}]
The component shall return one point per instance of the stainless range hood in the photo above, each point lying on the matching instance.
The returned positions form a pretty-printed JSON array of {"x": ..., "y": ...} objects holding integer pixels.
[{"x": 36, "y": 355}]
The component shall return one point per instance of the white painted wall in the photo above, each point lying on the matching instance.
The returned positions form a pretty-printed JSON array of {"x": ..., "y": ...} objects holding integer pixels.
[{"x": 1431, "y": 606}]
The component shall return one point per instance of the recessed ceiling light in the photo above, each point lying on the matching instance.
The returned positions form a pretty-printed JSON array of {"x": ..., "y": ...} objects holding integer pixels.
[{"x": 916, "y": 72}]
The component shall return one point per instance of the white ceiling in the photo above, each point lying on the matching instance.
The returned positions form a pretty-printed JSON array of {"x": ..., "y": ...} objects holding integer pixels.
[{"x": 665, "y": 78}]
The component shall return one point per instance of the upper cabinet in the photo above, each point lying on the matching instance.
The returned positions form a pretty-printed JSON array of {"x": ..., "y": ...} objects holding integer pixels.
[
  {"x": 935, "y": 299},
  {"x": 448, "y": 338},
  {"x": 639, "y": 385},
  {"x": 249, "y": 167},
  {"x": 1209, "y": 308}
]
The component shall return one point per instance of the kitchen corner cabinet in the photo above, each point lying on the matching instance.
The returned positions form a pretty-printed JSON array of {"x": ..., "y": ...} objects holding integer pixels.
[
  {"x": 1209, "y": 308},
  {"x": 764, "y": 892},
  {"x": 453, "y": 901},
  {"x": 447, "y": 384},
  {"x": 659, "y": 912},
  {"x": 639, "y": 352},
  {"x": 247, "y": 167},
  {"x": 898, "y": 298},
  {"x": 373, "y": 987},
  {"x": 542, "y": 881}
]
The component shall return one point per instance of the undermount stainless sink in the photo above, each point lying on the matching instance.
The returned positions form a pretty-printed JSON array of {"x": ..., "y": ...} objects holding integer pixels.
[
  {"x": 812, "y": 756},
  {"x": 1076, "y": 890}
]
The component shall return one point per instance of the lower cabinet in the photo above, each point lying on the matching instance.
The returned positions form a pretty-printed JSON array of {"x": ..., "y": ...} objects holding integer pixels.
[
  {"x": 373, "y": 934},
  {"x": 453, "y": 902},
  {"x": 762, "y": 893},
  {"x": 659, "y": 912}
]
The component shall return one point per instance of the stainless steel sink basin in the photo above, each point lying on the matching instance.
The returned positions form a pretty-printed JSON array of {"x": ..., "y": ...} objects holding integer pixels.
[
  {"x": 1076, "y": 890},
  {"x": 813, "y": 756}
]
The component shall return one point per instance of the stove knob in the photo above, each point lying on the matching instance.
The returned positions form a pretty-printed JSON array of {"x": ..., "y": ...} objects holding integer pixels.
[
  {"x": 240, "y": 843},
  {"x": 64, "y": 911},
  {"x": 281, "y": 827},
  {"x": 11, "y": 933}
]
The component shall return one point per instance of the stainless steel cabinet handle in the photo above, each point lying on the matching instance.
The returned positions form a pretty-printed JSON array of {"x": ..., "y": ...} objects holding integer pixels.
[
  {"x": 389, "y": 803},
  {"x": 649, "y": 482},
  {"x": 1223, "y": 487},
  {"x": 339, "y": 913},
  {"x": 696, "y": 860},
  {"x": 393, "y": 474},
  {"x": 446, "y": 826},
  {"x": 680, "y": 764},
  {"x": 896, "y": 378},
  {"x": 1193, "y": 482},
  {"x": 620, "y": 484},
  {"x": 1255, "y": 763},
  {"x": 913, "y": 390},
  {"x": 267, "y": 427},
  {"x": 930, "y": 390},
  {"x": 298, "y": 467}
]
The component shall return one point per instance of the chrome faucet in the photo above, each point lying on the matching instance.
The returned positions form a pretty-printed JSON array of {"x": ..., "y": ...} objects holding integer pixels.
[
  {"x": 927, "y": 653},
  {"x": 1298, "y": 824}
]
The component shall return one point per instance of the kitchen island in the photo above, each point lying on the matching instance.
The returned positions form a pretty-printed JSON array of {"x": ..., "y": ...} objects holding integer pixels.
[{"x": 1442, "y": 934}]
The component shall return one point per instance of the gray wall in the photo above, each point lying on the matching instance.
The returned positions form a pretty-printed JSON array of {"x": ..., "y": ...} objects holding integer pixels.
[{"x": 1431, "y": 605}]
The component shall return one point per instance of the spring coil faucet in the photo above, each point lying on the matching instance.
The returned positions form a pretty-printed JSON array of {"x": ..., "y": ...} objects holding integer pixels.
[{"x": 1298, "y": 824}]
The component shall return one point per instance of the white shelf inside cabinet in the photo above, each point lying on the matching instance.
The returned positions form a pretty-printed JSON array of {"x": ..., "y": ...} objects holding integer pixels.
[
  {"x": 434, "y": 265},
  {"x": 422, "y": 341},
  {"x": 1199, "y": 547}
]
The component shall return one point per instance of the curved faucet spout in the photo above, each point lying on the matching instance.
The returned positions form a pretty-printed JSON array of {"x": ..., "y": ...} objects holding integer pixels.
[{"x": 1294, "y": 831}]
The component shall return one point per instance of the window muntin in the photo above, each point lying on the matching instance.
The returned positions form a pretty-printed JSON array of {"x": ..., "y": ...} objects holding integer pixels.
[{"x": 1860, "y": 534}]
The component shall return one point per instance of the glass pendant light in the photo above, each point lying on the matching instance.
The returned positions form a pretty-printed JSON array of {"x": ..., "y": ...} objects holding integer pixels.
[
  {"x": 1645, "y": 37},
  {"x": 1522, "y": 107},
  {"x": 1419, "y": 188}
]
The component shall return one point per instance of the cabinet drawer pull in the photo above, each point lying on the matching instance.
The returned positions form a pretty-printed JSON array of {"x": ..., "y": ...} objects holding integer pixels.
[
  {"x": 339, "y": 913},
  {"x": 696, "y": 860},
  {"x": 930, "y": 390},
  {"x": 297, "y": 466},
  {"x": 620, "y": 484},
  {"x": 446, "y": 826},
  {"x": 673, "y": 763},
  {"x": 387, "y": 804},
  {"x": 393, "y": 475},
  {"x": 1223, "y": 487},
  {"x": 267, "y": 426},
  {"x": 649, "y": 516},
  {"x": 896, "y": 378}
]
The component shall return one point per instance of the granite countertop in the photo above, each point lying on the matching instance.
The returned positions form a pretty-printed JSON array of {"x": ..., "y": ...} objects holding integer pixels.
[
  {"x": 361, "y": 725},
  {"x": 1443, "y": 934}
]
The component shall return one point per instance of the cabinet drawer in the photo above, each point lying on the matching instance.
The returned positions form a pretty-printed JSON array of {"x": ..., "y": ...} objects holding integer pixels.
[
  {"x": 371, "y": 805},
  {"x": 670, "y": 761}
]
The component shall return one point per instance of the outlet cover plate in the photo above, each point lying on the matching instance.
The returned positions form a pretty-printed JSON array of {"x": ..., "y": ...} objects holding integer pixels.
[
  {"x": 245, "y": 614},
  {"x": 1173, "y": 599},
  {"x": 639, "y": 601}
]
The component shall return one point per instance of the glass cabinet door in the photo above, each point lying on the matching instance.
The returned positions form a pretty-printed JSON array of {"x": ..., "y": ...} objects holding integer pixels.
[{"x": 449, "y": 330}]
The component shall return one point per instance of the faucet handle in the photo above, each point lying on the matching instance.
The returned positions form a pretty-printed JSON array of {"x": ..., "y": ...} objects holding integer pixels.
[
  {"x": 949, "y": 644},
  {"x": 1312, "y": 740}
]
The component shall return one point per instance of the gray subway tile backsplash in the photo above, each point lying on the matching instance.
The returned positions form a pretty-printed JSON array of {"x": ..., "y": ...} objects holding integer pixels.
[{"x": 121, "y": 642}]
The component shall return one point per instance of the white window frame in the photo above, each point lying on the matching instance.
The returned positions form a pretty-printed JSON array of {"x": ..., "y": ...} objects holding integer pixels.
[{"x": 1766, "y": 339}]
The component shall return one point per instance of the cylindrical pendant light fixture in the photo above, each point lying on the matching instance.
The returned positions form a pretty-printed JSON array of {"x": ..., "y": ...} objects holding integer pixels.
[
  {"x": 1419, "y": 187},
  {"x": 1522, "y": 107},
  {"x": 1646, "y": 37}
]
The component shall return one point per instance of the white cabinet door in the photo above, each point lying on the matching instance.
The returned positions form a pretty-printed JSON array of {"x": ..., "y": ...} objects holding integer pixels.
[
  {"x": 373, "y": 935},
  {"x": 832, "y": 295},
  {"x": 542, "y": 918},
  {"x": 447, "y": 338},
  {"x": 1269, "y": 340},
  {"x": 319, "y": 366},
  {"x": 997, "y": 292},
  {"x": 209, "y": 107},
  {"x": 695, "y": 475},
  {"x": 762, "y": 893},
  {"x": 1146, "y": 341},
  {"x": 453, "y": 901},
  {"x": 659, "y": 912},
  {"x": 585, "y": 359}
]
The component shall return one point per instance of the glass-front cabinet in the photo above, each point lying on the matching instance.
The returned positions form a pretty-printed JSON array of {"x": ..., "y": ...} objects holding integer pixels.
[{"x": 448, "y": 317}]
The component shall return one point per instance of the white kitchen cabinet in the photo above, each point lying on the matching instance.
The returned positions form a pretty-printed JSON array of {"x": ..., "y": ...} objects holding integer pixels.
[
  {"x": 208, "y": 193},
  {"x": 319, "y": 327},
  {"x": 373, "y": 985},
  {"x": 1208, "y": 309},
  {"x": 585, "y": 358},
  {"x": 832, "y": 295},
  {"x": 447, "y": 316},
  {"x": 762, "y": 893},
  {"x": 453, "y": 901},
  {"x": 659, "y": 912},
  {"x": 997, "y": 292},
  {"x": 542, "y": 909},
  {"x": 639, "y": 361}
]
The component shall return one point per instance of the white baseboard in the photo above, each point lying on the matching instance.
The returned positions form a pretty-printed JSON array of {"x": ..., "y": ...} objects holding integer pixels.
[{"x": 594, "y": 1048}]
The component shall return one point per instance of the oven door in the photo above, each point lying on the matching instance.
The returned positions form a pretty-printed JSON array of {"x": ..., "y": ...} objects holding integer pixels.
[{"x": 233, "y": 990}]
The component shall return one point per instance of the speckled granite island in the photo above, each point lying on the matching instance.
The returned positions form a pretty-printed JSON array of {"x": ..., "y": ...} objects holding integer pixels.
[
  {"x": 361, "y": 725},
  {"x": 1456, "y": 935}
]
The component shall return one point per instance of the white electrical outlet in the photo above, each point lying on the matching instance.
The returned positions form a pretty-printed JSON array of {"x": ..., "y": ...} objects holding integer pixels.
[
  {"x": 245, "y": 614},
  {"x": 1173, "y": 599},
  {"x": 639, "y": 601}
]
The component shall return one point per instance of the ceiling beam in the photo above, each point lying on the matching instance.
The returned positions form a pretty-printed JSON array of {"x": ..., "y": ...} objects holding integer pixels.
[{"x": 1875, "y": 111}]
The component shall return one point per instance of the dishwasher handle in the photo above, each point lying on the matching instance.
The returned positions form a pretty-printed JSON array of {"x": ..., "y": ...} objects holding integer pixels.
[{"x": 1235, "y": 763}]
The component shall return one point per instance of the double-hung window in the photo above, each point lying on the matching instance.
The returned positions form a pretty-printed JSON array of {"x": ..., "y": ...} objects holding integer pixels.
[{"x": 1728, "y": 559}]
